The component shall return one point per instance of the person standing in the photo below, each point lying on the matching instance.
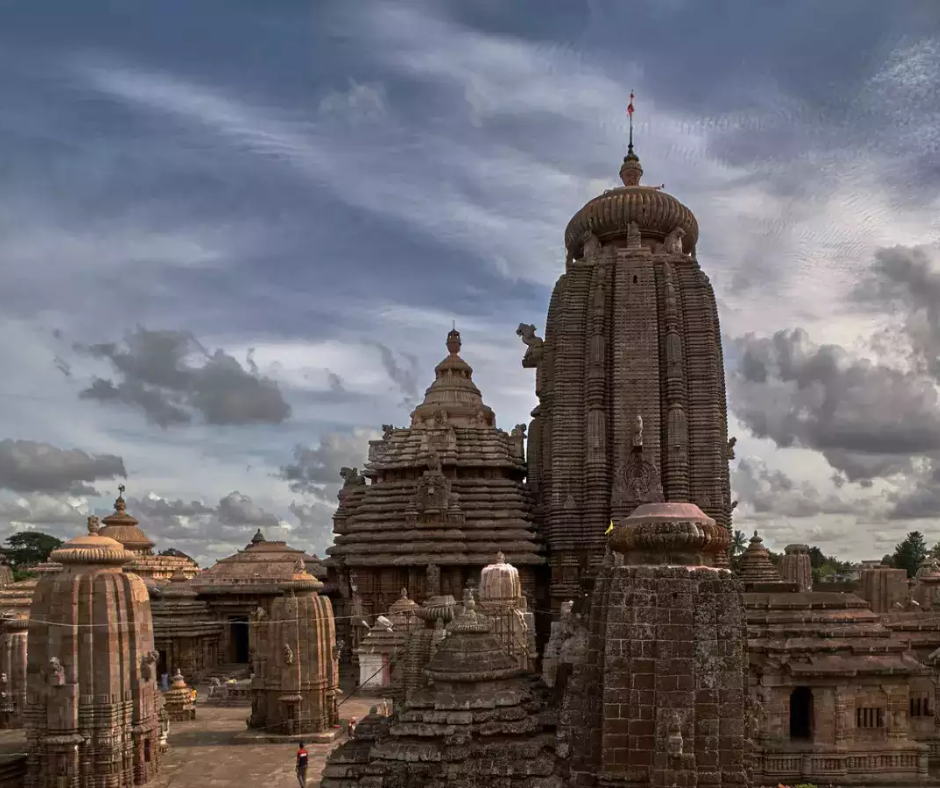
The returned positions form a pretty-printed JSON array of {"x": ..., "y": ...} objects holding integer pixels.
[{"x": 302, "y": 765}]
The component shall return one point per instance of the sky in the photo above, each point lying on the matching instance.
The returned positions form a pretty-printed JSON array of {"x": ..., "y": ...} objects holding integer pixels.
[{"x": 235, "y": 235}]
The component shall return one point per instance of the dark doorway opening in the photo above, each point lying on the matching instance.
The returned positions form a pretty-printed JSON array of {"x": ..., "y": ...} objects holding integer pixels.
[
  {"x": 239, "y": 638},
  {"x": 801, "y": 713},
  {"x": 162, "y": 667}
]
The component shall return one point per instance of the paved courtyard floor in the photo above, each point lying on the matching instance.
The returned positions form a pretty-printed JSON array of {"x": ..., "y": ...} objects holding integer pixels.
[{"x": 203, "y": 752}]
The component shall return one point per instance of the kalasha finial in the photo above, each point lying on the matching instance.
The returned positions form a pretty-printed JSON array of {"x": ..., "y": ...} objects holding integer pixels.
[
  {"x": 453, "y": 340},
  {"x": 119, "y": 505},
  {"x": 93, "y": 525},
  {"x": 630, "y": 171},
  {"x": 500, "y": 558}
]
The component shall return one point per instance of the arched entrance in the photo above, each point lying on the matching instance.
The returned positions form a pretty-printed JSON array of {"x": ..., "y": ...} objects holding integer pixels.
[{"x": 801, "y": 713}]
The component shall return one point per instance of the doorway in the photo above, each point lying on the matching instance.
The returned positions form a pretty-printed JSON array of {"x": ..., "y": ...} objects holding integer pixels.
[
  {"x": 801, "y": 714},
  {"x": 238, "y": 632}
]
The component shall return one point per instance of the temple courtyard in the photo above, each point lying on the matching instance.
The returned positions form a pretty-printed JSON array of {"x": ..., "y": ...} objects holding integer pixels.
[{"x": 206, "y": 751}]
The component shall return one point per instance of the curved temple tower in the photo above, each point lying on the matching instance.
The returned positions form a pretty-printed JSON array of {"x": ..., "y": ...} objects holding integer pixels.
[{"x": 629, "y": 377}]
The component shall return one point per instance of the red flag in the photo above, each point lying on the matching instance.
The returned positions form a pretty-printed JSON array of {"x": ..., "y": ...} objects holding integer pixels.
[{"x": 630, "y": 105}]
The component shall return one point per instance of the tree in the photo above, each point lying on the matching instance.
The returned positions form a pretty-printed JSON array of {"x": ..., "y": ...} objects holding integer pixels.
[
  {"x": 27, "y": 548},
  {"x": 910, "y": 553},
  {"x": 738, "y": 542}
]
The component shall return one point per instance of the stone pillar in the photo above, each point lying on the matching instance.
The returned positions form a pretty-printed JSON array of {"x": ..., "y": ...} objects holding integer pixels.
[
  {"x": 841, "y": 712},
  {"x": 795, "y": 566},
  {"x": 896, "y": 721}
]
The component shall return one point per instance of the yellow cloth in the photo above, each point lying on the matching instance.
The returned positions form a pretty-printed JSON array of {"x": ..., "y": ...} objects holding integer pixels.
[{"x": 609, "y": 528}]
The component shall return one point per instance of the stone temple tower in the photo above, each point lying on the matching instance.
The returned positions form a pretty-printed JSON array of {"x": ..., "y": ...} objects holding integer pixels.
[
  {"x": 629, "y": 377},
  {"x": 92, "y": 703}
]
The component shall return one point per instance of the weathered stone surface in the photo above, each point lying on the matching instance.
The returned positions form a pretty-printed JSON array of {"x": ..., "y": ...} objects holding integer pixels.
[
  {"x": 796, "y": 567},
  {"x": 448, "y": 491},
  {"x": 631, "y": 360},
  {"x": 502, "y": 601},
  {"x": 178, "y": 700},
  {"x": 93, "y": 702},
  {"x": 12, "y": 670},
  {"x": 482, "y": 721},
  {"x": 659, "y": 698},
  {"x": 754, "y": 565},
  {"x": 296, "y": 674},
  {"x": 187, "y": 634}
]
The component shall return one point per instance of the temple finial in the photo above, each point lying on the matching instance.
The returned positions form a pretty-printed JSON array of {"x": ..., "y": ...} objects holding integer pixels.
[
  {"x": 453, "y": 340},
  {"x": 631, "y": 171}
]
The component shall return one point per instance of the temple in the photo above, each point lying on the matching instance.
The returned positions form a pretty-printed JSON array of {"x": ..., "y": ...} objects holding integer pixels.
[
  {"x": 449, "y": 491},
  {"x": 631, "y": 360}
]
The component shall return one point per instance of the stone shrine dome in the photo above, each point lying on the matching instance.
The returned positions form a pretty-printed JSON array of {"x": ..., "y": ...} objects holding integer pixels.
[
  {"x": 124, "y": 528},
  {"x": 608, "y": 216},
  {"x": 261, "y": 563}
]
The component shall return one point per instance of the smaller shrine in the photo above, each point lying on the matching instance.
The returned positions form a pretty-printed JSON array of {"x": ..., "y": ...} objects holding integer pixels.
[
  {"x": 295, "y": 687},
  {"x": 796, "y": 566},
  {"x": 188, "y": 636},
  {"x": 236, "y": 586},
  {"x": 481, "y": 721},
  {"x": 178, "y": 700},
  {"x": 754, "y": 565},
  {"x": 125, "y": 529},
  {"x": 421, "y": 644},
  {"x": 92, "y": 713},
  {"x": 382, "y": 649},
  {"x": 502, "y": 600}
]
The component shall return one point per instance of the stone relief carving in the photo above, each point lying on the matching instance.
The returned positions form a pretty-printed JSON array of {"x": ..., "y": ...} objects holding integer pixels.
[
  {"x": 387, "y": 430},
  {"x": 674, "y": 742},
  {"x": 590, "y": 244},
  {"x": 637, "y": 481},
  {"x": 288, "y": 654},
  {"x": 633, "y": 236},
  {"x": 55, "y": 673},
  {"x": 93, "y": 524},
  {"x": 433, "y": 575},
  {"x": 673, "y": 242},
  {"x": 147, "y": 665},
  {"x": 638, "y": 431}
]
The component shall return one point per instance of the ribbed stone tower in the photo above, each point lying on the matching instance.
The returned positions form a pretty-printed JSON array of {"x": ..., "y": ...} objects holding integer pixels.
[
  {"x": 93, "y": 703},
  {"x": 294, "y": 691},
  {"x": 631, "y": 359}
]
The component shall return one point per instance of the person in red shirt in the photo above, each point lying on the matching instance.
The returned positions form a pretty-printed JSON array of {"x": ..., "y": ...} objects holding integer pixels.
[{"x": 302, "y": 765}]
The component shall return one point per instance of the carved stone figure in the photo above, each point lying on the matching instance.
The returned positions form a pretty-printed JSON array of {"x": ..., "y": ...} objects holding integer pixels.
[
  {"x": 288, "y": 654},
  {"x": 387, "y": 430},
  {"x": 93, "y": 524},
  {"x": 533, "y": 343},
  {"x": 351, "y": 477},
  {"x": 55, "y": 672},
  {"x": 591, "y": 244},
  {"x": 633, "y": 236},
  {"x": 434, "y": 460},
  {"x": 638, "y": 431},
  {"x": 729, "y": 453},
  {"x": 673, "y": 242},
  {"x": 674, "y": 742}
]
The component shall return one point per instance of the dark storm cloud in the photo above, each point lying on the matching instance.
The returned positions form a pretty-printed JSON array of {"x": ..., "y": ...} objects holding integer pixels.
[
  {"x": 868, "y": 419},
  {"x": 27, "y": 466},
  {"x": 767, "y": 492},
  {"x": 157, "y": 373},
  {"x": 316, "y": 469}
]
